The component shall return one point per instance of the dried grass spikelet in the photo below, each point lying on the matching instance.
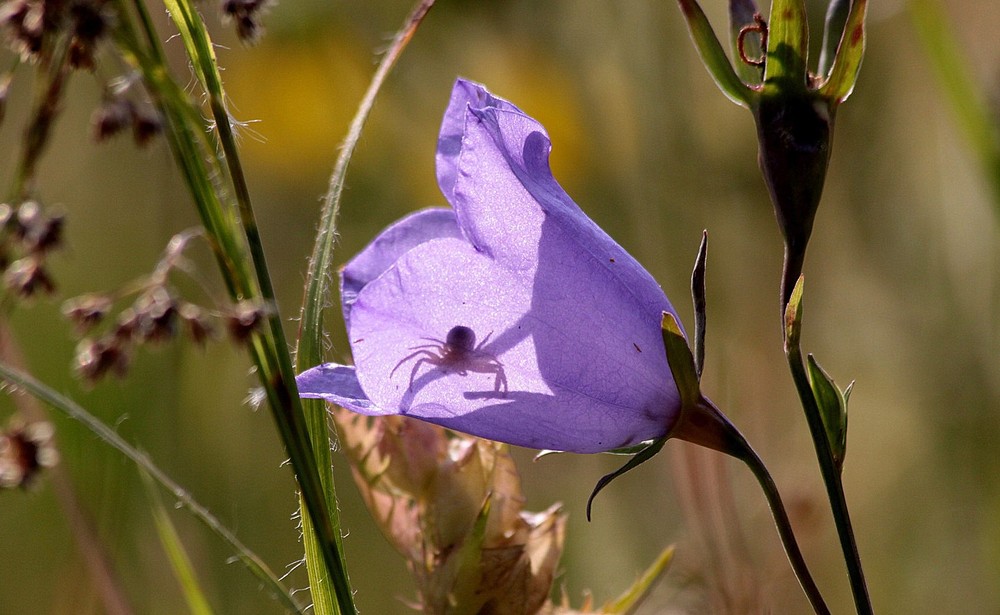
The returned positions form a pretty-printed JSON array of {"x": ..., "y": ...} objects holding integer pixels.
[{"x": 452, "y": 506}]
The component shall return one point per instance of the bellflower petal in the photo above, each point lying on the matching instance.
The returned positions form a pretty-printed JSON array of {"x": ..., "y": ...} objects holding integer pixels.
[
  {"x": 392, "y": 243},
  {"x": 518, "y": 319}
]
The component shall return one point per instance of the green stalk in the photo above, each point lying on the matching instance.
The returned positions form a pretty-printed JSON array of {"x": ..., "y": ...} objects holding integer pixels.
[
  {"x": 833, "y": 481},
  {"x": 309, "y": 348},
  {"x": 232, "y": 230},
  {"x": 704, "y": 424},
  {"x": 170, "y": 540},
  {"x": 824, "y": 453},
  {"x": 785, "y": 532}
]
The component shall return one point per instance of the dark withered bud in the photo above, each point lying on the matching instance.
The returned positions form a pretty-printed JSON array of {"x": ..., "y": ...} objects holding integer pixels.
[
  {"x": 25, "y": 450},
  {"x": 27, "y": 277},
  {"x": 196, "y": 322},
  {"x": 246, "y": 14},
  {"x": 86, "y": 311},
  {"x": 146, "y": 124},
  {"x": 244, "y": 319},
  {"x": 47, "y": 235},
  {"x": 157, "y": 313},
  {"x": 96, "y": 358},
  {"x": 29, "y": 215},
  {"x": 113, "y": 116},
  {"x": 25, "y": 21}
]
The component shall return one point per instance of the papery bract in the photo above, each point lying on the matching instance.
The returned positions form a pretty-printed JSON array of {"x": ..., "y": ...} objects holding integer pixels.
[{"x": 512, "y": 316}]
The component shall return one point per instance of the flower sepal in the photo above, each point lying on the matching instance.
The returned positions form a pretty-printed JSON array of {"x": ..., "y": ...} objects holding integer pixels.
[
  {"x": 700, "y": 421},
  {"x": 832, "y": 404}
]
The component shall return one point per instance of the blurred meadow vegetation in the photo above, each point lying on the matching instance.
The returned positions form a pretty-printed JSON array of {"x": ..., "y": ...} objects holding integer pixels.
[{"x": 902, "y": 294}]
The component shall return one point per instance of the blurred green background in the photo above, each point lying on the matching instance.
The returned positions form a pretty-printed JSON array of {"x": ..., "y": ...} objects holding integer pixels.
[{"x": 902, "y": 294}]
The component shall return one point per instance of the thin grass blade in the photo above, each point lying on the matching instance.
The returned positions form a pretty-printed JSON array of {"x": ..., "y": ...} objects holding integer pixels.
[
  {"x": 179, "y": 560},
  {"x": 23, "y": 381}
]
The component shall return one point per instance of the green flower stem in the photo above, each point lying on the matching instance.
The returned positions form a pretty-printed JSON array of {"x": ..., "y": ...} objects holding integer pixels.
[
  {"x": 71, "y": 409},
  {"x": 784, "y": 526},
  {"x": 791, "y": 270},
  {"x": 309, "y": 346},
  {"x": 831, "y": 478},
  {"x": 704, "y": 424}
]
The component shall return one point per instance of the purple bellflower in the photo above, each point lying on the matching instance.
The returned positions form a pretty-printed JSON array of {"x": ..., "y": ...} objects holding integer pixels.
[{"x": 511, "y": 316}]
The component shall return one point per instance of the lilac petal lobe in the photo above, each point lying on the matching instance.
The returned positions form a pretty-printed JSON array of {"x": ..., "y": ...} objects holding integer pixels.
[
  {"x": 393, "y": 242},
  {"x": 506, "y": 192},
  {"x": 337, "y": 384},
  {"x": 545, "y": 373},
  {"x": 464, "y": 94}
]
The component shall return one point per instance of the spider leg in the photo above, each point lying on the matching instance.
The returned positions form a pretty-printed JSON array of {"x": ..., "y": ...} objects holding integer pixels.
[
  {"x": 430, "y": 358},
  {"x": 421, "y": 351},
  {"x": 500, "y": 384},
  {"x": 427, "y": 346},
  {"x": 485, "y": 339}
]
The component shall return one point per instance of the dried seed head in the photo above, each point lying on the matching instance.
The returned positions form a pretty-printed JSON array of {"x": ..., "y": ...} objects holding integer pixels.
[
  {"x": 197, "y": 323},
  {"x": 90, "y": 20},
  {"x": 113, "y": 116},
  {"x": 86, "y": 311},
  {"x": 95, "y": 358},
  {"x": 157, "y": 313},
  {"x": 145, "y": 126},
  {"x": 25, "y": 450},
  {"x": 47, "y": 235},
  {"x": 27, "y": 277},
  {"x": 24, "y": 19},
  {"x": 244, "y": 319},
  {"x": 428, "y": 490},
  {"x": 126, "y": 325},
  {"x": 37, "y": 231},
  {"x": 246, "y": 14}
]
